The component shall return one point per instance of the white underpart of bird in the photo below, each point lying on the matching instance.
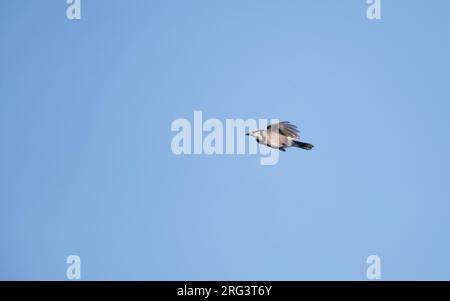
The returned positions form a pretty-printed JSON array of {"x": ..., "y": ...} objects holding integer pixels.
[{"x": 281, "y": 136}]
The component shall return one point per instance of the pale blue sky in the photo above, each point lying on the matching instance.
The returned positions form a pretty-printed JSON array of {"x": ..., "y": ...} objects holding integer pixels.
[{"x": 86, "y": 166}]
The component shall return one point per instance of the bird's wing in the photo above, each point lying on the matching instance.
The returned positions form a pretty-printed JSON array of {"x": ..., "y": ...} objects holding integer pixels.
[{"x": 284, "y": 128}]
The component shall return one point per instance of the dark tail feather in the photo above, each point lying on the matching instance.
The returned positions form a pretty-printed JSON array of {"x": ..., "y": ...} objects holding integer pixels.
[{"x": 303, "y": 145}]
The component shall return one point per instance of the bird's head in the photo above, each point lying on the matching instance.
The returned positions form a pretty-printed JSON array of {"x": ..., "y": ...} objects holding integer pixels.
[{"x": 256, "y": 134}]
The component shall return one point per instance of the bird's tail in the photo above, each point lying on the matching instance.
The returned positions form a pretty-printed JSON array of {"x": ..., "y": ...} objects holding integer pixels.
[{"x": 303, "y": 145}]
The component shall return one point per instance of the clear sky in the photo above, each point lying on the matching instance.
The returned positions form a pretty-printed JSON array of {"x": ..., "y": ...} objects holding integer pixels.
[{"x": 86, "y": 166}]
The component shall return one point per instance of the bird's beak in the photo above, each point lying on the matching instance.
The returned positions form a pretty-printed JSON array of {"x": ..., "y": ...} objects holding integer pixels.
[{"x": 247, "y": 134}]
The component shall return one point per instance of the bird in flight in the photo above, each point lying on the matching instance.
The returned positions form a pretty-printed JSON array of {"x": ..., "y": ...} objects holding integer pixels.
[{"x": 281, "y": 136}]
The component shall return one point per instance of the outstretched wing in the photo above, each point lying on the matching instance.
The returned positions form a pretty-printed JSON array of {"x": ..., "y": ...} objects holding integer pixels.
[{"x": 284, "y": 128}]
